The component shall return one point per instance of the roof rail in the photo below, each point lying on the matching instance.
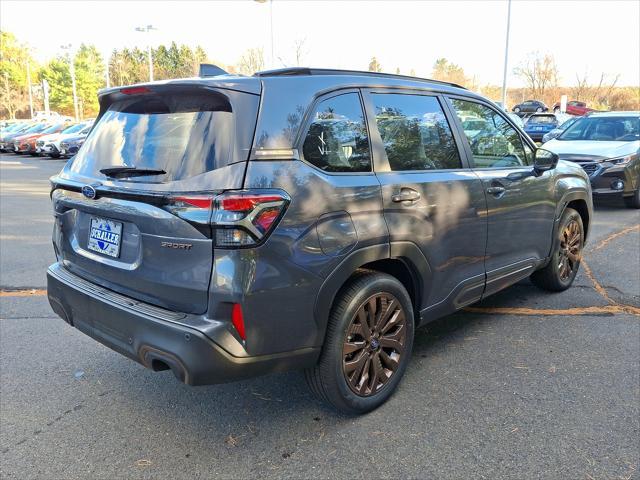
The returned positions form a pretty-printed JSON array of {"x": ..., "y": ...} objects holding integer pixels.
[{"x": 301, "y": 71}]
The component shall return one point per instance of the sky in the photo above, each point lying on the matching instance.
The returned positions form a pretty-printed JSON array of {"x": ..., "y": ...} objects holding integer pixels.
[{"x": 589, "y": 37}]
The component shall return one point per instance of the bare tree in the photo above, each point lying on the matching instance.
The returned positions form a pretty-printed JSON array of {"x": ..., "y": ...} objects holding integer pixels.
[
  {"x": 579, "y": 92},
  {"x": 251, "y": 61},
  {"x": 540, "y": 74},
  {"x": 300, "y": 51}
]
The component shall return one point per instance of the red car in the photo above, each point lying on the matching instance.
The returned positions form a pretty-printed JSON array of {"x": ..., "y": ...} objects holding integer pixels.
[
  {"x": 27, "y": 143},
  {"x": 574, "y": 107}
]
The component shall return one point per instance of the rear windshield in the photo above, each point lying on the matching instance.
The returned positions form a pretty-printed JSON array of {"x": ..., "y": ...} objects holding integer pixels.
[
  {"x": 542, "y": 119},
  {"x": 183, "y": 134}
]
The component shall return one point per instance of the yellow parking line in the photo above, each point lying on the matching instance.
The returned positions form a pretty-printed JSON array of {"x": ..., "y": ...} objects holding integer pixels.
[
  {"x": 31, "y": 292},
  {"x": 607, "y": 309},
  {"x": 613, "y": 236}
]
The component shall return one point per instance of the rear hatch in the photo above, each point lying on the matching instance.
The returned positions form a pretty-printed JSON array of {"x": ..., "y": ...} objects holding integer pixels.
[{"x": 133, "y": 207}]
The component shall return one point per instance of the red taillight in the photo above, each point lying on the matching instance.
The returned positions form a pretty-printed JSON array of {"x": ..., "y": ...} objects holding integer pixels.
[
  {"x": 198, "y": 202},
  {"x": 242, "y": 203},
  {"x": 135, "y": 91},
  {"x": 238, "y": 320},
  {"x": 245, "y": 218}
]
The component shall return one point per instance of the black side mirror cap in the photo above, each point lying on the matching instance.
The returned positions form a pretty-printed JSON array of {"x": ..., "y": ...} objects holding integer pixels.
[{"x": 544, "y": 160}]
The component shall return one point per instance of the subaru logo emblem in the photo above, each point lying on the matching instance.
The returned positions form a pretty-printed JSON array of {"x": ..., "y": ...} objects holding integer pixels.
[{"x": 89, "y": 192}]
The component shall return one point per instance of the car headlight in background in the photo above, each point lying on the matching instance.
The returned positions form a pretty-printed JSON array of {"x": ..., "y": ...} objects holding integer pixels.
[{"x": 624, "y": 160}]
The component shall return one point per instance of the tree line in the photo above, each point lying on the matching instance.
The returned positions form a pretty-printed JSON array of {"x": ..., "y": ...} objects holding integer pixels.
[
  {"x": 541, "y": 77},
  {"x": 539, "y": 73}
]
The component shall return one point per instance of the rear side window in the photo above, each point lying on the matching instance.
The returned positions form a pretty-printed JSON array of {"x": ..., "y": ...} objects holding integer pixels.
[
  {"x": 415, "y": 132},
  {"x": 183, "y": 134},
  {"x": 337, "y": 139}
]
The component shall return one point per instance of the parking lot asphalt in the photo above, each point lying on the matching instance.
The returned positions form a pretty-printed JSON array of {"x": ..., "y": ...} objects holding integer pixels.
[{"x": 526, "y": 384}]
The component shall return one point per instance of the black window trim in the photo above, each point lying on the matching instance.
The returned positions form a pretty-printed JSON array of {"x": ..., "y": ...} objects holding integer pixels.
[
  {"x": 308, "y": 119},
  {"x": 467, "y": 147},
  {"x": 381, "y": 161}
]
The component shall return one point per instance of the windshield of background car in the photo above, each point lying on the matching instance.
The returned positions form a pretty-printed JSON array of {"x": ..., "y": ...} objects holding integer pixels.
[
  {"x": 621, "y": 129},
  {"x": 183, "y": 134},
  {"x": 52, "y": 129},
  {"x": 72, "y": 128}
]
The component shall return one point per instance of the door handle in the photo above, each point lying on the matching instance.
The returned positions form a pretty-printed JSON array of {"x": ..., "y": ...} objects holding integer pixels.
[
  {"x": 406, "y": 195},
  {"x": 495, "y": 190}
]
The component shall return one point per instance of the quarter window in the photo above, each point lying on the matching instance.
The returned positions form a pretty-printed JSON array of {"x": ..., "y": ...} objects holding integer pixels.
[
  {"x": 493, "y": 141},
  {"x": 337, "y": 139},
  {"x": 415, "y": 132}
]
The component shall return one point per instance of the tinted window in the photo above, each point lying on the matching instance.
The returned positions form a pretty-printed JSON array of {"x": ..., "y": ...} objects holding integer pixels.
[
  {"x": 337, "y": 139},
  {"x": 415, "y": 132},
  {"x": 184, "y": 135},
  {"x": 498, "y": 144}
]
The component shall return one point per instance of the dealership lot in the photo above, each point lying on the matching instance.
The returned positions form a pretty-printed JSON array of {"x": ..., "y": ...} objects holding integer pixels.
[{"x": 524, "y": 385}]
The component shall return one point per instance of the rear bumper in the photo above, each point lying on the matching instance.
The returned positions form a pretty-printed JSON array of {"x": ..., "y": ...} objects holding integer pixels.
[{"x": 155, "y": 337}]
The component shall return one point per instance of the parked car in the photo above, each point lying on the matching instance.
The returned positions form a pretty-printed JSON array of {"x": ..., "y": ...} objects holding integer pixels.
[
  {"x": 574, "y": 107},
  {"x": 530, "y": 106},
  {"x": 200, "y": 230},
  {"x": 12, "y": 142},
  {"x": 50, "y": 144},
  {"x": 27, "y": 143},
  {"x": 70, "y": 145},
  {"x": 559, "y": 129},
  {"x": 8, "y": 133},
  {"x": 607, "y": 146},
  {"x": 540, "y": 123}
]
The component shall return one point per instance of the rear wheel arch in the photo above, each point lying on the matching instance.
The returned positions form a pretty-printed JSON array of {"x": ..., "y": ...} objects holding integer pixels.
[{"x": 402, "y": 260}]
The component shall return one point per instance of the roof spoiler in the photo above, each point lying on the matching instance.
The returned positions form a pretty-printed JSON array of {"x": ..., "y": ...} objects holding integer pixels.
[{"x": 210, "y": 70}]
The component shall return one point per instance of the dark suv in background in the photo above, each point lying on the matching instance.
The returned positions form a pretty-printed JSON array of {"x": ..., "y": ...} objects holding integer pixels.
[{"x": 230, "y": 226}]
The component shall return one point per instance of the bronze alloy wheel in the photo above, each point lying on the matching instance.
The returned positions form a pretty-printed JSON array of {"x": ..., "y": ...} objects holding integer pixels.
[
  {"x": 375, "y": 342},
  {"x": 569, "y": 253}
]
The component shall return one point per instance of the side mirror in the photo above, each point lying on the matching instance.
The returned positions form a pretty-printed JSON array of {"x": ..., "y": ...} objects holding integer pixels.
[{"x": 544, "y": 160}]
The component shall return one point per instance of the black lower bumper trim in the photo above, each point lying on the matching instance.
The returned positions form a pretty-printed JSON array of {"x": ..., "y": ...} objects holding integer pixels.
[{"x": 157, "y": 343}]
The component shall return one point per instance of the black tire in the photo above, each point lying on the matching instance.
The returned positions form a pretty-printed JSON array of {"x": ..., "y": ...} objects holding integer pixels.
[
  {"x": 633, "y": 201},
  {"x": 556, "y": 110},
  {"x": 328, "y": 380},
  {"x": 554, "y": 277},
  {"x": 539, "y": 109},
  {"x": 516, "y": 110},
  {"x": 54, "y": 155}
]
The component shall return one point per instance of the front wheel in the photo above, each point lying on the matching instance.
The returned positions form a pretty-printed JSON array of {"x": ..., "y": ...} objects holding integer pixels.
[
  {"x": 516, "y": 110},
  {"x": 368, "y": 344},
  {"x": 539, "y": 109},
  {"x": 559, "y": 273},
  {"x": 556, "y": 110},
  {"x": 633, "y": 201}
]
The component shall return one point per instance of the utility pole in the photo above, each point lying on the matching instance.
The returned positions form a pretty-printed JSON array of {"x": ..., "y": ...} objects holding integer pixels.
[
  {"x": 148, "y": 29},
  {"x": 72, "y": 69},
  {"x": 29, "y": 87},
  {"x": 506, "y": 58}
]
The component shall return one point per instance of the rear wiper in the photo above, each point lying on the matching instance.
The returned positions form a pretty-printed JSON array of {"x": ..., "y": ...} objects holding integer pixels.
[{"x": 115, "y": 172}]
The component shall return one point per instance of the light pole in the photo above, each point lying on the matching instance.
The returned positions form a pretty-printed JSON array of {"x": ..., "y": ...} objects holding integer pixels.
[
  {"x": 72, "y": 69},
  {"x": 147, "y": 29},
  {"x": 29, "y": 87},
  {"x": 506, "y": 58},
  {"x": 270, "y": 27}
]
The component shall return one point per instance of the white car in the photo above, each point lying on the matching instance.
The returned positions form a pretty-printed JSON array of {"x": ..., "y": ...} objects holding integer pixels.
[{"x": 50, "y": 144}]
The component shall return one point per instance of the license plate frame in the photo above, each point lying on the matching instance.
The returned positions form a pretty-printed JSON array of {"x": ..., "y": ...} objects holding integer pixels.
[{"x": 105, "y": 236}]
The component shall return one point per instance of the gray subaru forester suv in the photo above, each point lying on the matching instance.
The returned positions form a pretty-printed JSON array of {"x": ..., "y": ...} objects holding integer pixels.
[{"x": 224, "y": 227}]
